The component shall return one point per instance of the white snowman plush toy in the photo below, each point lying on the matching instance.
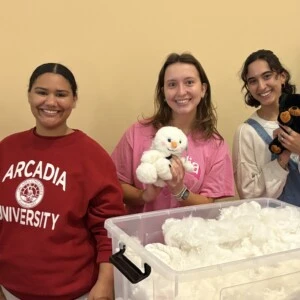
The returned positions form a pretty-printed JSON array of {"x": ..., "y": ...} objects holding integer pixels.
[{"x": 155, "y": 162}]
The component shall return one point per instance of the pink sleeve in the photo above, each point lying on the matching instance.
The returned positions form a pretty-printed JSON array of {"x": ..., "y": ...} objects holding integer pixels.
[
  {"x": 218, "y": 180},
  {"x": 122, "y": 157}
]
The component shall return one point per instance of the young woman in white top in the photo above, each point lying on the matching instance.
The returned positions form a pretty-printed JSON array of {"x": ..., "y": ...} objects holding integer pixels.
[{"x": 258, "y": 173}]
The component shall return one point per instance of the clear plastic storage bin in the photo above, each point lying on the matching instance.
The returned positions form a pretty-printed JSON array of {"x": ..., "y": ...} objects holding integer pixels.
[{"x": 141, "y": 276}]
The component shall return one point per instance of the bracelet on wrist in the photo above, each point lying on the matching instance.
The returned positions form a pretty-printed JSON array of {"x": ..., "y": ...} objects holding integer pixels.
[
  {"x": 183, "y": 194},
  {"x": 178, "y": 195}
]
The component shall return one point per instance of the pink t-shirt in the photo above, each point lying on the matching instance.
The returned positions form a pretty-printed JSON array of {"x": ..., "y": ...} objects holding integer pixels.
[{"x": 212, "y": 175}]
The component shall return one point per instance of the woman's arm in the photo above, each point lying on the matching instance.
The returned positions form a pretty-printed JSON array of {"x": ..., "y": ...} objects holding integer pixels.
[
  {"x": 176, "y": 185},
  {"x": 137, "y": 197},
  {"x": 194, "y": 199},
  {"x": 255, "y": 174}
]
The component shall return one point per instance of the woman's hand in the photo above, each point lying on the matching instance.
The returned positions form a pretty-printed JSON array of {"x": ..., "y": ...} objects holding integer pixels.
[
  {"x": 150, "y": 193},
  {"x": 2, "y": 297},
  {"x": 176, "y": 184},
  {"x": 283, "y": 159},
  {"x": 104, "y": 286},
  {"x": 289, "y": 138}
]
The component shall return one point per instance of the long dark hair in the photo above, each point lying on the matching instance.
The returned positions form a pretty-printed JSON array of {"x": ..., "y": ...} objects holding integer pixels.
[
  {"x": 206, "y": 118},
  {"x": 274, "y": 64}
]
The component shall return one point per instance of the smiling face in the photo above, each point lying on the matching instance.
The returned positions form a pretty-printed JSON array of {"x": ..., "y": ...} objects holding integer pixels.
[
  {"x": 263, "y": 83},
  {"x": 170, "y": 141},
  {"x": 183, "y": 89},
  {"x": 51, "y": 100}
]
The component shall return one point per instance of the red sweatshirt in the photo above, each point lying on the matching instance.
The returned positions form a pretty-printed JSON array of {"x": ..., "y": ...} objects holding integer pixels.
[{"x": 55, "y": 194}]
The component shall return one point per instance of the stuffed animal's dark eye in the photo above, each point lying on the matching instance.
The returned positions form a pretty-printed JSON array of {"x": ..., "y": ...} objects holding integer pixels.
[{"x": 169, "y": 140}]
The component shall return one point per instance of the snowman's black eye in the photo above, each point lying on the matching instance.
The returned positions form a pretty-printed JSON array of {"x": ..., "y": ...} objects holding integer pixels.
[{"x": 169, "y": 140}]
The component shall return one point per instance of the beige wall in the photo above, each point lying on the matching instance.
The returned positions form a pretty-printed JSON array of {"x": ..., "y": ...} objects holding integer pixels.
[{"x": 116, "y": 48}]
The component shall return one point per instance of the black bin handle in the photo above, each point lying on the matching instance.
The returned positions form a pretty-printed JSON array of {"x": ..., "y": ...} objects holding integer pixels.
[{"x": 128, "y": 268}]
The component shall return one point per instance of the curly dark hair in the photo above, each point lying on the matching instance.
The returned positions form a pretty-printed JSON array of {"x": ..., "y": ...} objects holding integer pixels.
[
  {"x": 274, "y": 64},
  {"x": 206, "y": 117}
]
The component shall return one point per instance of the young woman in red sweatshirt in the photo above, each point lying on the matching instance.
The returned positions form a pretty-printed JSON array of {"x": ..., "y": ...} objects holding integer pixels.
[{"x": 58, "y": 186}]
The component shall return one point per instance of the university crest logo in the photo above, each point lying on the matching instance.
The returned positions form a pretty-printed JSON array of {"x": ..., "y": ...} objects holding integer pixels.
[{"x": 30, "y": 193}]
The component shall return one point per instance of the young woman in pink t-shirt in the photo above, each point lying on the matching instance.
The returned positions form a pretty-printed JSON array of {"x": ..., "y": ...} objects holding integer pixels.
[{"x": 183, "y": 99}]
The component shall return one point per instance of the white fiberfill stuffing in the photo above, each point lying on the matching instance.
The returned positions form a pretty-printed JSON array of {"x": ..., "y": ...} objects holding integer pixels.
[{"x": 240, "y": 232}]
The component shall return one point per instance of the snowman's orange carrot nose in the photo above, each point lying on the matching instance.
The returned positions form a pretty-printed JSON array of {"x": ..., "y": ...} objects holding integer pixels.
[{"x": 174, "y": 144}]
